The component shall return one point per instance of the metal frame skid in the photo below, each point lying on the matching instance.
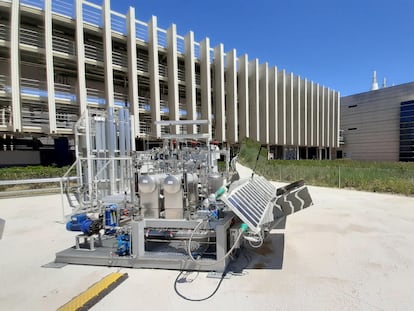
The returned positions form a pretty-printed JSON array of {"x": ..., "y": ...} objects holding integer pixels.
[{"x": 169, "y": 207}]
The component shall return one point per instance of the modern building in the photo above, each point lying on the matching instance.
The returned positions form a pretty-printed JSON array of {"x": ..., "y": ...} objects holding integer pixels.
[
  {"x": 59, "y": 58},
  {"x": 379, "y": 124}
]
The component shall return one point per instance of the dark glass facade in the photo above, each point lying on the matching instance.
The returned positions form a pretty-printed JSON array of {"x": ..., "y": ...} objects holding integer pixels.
[{"x": 407, "y": 131}]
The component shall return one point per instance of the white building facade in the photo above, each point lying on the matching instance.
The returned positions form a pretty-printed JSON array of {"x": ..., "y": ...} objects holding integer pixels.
[{"x": 59, "y": 58}]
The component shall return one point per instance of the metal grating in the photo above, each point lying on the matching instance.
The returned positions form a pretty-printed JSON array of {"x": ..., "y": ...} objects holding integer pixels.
[{"x": 251, "y": 202}]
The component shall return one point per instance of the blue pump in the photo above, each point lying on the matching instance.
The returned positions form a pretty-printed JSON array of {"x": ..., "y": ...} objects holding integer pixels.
[
  {"x": 111, "y": 218},
  {"x": 75, "y": 222},
  {"x": 123, "y": 245},
  {"x": 81, "y": 222}
]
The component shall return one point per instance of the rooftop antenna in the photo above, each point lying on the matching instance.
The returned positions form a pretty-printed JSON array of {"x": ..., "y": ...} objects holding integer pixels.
[
  {"x": 374, "y": 85},
  {"x": 384, "y": 82}
]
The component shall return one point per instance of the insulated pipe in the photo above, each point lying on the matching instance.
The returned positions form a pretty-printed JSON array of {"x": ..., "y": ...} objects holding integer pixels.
[
  {"x": 111, "y": 133},
  {"x": 127, "y": 124},
  {"x": 122, "y": 145}
]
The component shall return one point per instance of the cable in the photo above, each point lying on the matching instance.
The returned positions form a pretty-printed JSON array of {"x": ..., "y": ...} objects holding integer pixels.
[
  {"x": 252, "y": 239},
  {"x": 200, "y": 299},
  {"x": 227, "y": 271},
  {"x": 242, "y": 229},
  {"x": 217, "y": 260}
]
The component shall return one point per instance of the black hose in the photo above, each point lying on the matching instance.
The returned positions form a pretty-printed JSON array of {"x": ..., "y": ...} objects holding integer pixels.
[{"x": 200, "y": 299}]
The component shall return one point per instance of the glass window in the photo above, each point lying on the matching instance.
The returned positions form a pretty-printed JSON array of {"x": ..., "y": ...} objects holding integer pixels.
[{"x": 407, "y": 131}]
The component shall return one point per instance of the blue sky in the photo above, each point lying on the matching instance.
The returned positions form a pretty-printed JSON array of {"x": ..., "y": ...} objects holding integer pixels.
[{"x": 335, "y": 43}]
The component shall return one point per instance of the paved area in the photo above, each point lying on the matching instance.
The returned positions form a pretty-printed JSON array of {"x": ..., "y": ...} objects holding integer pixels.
[{"x": 350, "y": 251}]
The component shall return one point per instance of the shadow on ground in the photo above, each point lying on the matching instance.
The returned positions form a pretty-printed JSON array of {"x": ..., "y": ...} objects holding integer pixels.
[{"x": 268, "y": 256}]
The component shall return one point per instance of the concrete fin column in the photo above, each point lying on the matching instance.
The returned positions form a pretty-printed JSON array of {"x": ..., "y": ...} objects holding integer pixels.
[
  {"x": 264, "y": 103},
  {"x": 132, "y": 71},
  {"x": 107, "y": 46},
  {"x": 322, "y": 116},
  {"x": 311, "y": 105},
  {"x": 243, "y": 96},
  {"x": 190, "y": 85},
  {"x": 15, "y": 65},
  {"x": 172, "y": 62},
  {"x": 254, "y": 99},
  {"x": 303, "y": 108},
  {"x": 332, "y": 116},
  {"x": 219, "y": 94},
  {"x": 50, "y": 76},
  {"x": 289, "y": 109},
  {"x": 82, "y": 94},
  {"x": 328, "y": 125},
  {"x": 80, "y": 58},
  {"x": 337, "y": 118},
  {"x": 205, "y": 81},
  {"x": 273, "y": 107},
  {"x": 297, "y": 126},
  {"x": 154, "y": 76},
  {"x": 231, "y": 100},
  {"x": 317, "y": 117},
  {"x": 281, "y": 107}
]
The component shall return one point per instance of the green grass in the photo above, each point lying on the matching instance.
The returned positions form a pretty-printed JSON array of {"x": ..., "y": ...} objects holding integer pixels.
[
  {"x": 30, "y": 172},
  {"x": 391, "y": 177}
]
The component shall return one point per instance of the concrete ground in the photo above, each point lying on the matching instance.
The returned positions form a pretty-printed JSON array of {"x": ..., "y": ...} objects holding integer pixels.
[{"x": 350, "y": 251}]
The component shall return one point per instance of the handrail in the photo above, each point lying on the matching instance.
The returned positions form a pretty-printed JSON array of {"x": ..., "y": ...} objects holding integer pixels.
[
  {"x": 35, "y": 180},
  {"x": 69, "y": 169}
]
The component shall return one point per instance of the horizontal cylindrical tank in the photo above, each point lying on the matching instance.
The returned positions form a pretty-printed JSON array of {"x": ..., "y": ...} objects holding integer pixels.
[
  {"x": 172, "y": 184},
  {"x": 147, "y": 183}
]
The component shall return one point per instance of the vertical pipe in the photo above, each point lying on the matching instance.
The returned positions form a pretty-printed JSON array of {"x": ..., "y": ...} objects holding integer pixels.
[
  {"x": 100, "y": 145},
  {"x": 110, "y": 137},
  {"x": 121, "y": 138},
  {"x": 88, "y": 153},
  {"x": 122, "y": 146},
  {"x": 128, "y": 136}
]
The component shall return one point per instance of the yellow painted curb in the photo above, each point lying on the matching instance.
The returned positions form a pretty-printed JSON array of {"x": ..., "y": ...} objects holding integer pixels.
[{"x": 96, "y": 292}]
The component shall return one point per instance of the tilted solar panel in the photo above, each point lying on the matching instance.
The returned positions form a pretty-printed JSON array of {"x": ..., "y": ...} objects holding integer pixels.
[{"x": 251, "y": 202}]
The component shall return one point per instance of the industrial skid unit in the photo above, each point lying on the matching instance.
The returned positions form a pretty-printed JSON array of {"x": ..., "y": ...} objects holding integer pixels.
[{"x": 169, "y": 207}]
